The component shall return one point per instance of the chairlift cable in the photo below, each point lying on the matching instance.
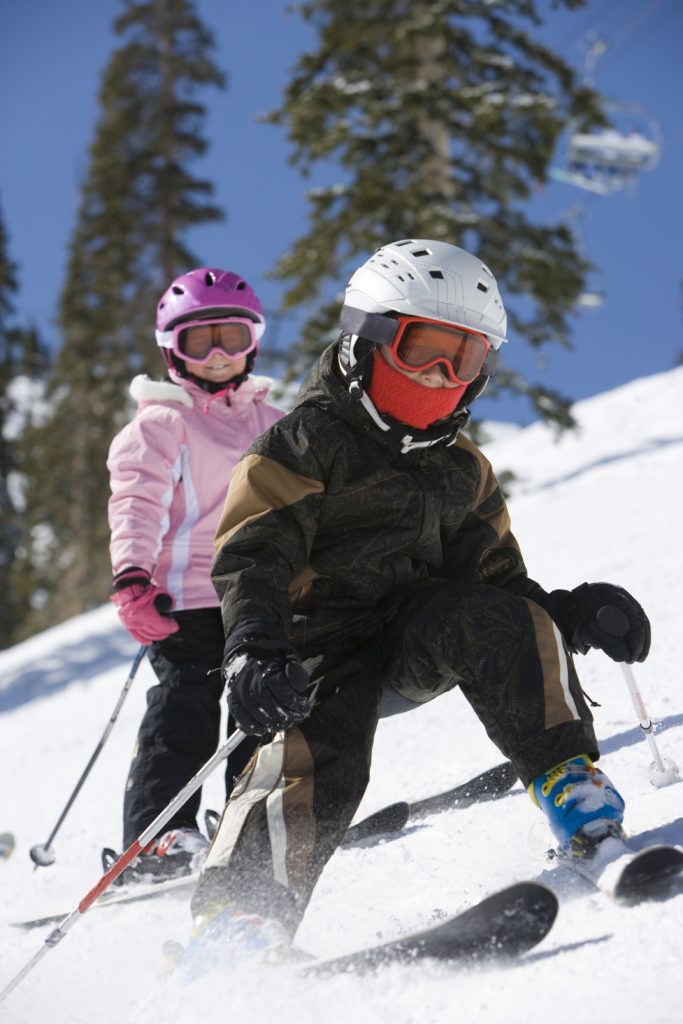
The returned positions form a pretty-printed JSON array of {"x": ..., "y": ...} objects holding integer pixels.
[
  {"x": 573, "y": 36},
  {"x": 661, "y": 21},
  {"x": 652, "y": 7},
  {"x": 634, "y": 22},
  {"x": 645, "y": 13}
]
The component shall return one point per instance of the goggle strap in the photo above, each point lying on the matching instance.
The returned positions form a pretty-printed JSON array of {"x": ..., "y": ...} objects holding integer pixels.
[
  {"x": 490, "y": 363},
  {"x": 164, "y": 339},
  {"x": 374, "y": 326}
]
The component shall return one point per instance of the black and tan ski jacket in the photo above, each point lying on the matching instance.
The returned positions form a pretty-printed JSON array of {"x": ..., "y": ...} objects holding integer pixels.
[{"x": 327, "y": 525}]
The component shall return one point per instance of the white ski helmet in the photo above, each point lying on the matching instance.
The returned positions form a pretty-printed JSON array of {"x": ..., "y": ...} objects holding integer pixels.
[
  {"x": 424, "y": 278},
  {"x": 432, "y": 279}
]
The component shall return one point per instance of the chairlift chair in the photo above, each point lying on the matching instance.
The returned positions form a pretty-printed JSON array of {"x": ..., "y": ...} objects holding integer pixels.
[{"x": 609, "y": 159}]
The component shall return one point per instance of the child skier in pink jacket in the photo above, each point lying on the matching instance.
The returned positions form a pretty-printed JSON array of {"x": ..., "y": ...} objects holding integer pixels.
[{"x": 169, "y": 473}]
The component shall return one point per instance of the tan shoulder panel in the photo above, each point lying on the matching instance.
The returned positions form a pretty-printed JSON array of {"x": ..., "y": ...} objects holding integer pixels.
[{"x": 259, "y": 485}]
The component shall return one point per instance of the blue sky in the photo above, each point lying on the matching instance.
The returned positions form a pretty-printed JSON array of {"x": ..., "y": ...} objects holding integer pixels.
[{"x": 50, "y": 73}]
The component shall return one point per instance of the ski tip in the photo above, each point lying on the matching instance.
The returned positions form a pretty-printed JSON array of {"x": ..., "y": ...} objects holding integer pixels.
[
  {"x": 525, "y": 912},
  {"x": 538, "y": 898},
  {"x": 650, "y": 873},
  {"x": 502, "y": 926}
]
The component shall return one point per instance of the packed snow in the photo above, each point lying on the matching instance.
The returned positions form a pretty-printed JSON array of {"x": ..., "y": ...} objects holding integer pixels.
[{"x": 601, "y": 504}]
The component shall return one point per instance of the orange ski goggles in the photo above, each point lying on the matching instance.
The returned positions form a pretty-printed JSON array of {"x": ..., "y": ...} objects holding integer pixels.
[
  {"x": 417, "y": 343},
  {"x": 420, "y": 344}
]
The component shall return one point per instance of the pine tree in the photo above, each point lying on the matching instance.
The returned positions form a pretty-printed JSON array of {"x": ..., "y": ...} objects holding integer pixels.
[
  {"x": 10, "y": 528},
  {"x": 138, "y": 201},
  {"x": 442, "y": 116},
  {"x": 23, "y": 589},
  {"x": 22, "y": 364}
]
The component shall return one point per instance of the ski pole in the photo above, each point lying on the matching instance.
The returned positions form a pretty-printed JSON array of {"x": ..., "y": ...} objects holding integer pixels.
[
  {"x": 42, "y": 854},
  {"x": 613, "y": 621},
  {"x": 644, "y": 720},
  {"x": 665, "y": 771},
  {"x": 58, "y": 933}
]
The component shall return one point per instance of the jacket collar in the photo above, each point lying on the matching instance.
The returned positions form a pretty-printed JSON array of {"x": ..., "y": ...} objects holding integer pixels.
[{"x": 182, "y": 391}]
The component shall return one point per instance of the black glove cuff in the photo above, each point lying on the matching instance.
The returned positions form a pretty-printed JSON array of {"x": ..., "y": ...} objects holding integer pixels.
[
  {"x": 257, "y": 635},
  {"x": 132, "y": 576},
  {"x": 563, "y": 609}
]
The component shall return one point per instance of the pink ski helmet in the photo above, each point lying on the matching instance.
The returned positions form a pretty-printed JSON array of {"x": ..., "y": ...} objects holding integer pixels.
[{"x": 207, "y": 292}]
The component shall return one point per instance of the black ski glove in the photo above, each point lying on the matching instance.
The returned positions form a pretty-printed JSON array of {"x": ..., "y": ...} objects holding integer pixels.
[
  {"x": 603, "y": 616},
  {"x": 266, "y": 681}
]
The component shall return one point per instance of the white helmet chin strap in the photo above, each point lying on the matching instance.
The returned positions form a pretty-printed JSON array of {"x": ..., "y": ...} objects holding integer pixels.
[{"x": 370, "y": 408}]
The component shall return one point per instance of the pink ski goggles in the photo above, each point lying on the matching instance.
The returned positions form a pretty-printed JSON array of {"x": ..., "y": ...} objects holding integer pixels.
[{"x": 197, "y": 340}]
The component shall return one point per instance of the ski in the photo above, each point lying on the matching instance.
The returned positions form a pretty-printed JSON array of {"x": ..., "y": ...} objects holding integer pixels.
[
  {"x": 626, "y": 875},
  {"x": 491, "y": 784},
  {"x": 389, "y": 819},
  {"x": 114, "y": 897},
  {"x": 384, "y": 822},
  {"x": 504, "y": 925},
  {"x": 7, "y": 844}
]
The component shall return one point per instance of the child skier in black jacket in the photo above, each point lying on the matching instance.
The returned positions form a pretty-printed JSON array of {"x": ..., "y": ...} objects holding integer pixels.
[{"x": 365, "y": 565}]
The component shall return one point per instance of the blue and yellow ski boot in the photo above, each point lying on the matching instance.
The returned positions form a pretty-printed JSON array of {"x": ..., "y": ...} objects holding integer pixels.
[{"x": 581, "y": 805}]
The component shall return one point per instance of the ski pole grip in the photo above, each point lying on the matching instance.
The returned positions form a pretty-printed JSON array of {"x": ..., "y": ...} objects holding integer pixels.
[
  {"x": 163, "y": 603},
  {"x": 612, "y": 620}
]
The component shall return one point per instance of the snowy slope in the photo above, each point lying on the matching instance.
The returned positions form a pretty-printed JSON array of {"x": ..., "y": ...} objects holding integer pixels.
[{"x": 604, "y": 504}]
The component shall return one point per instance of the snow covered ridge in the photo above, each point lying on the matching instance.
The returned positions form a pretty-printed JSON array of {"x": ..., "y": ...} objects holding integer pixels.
[
  {"x": 630, "y": 421},
  {"x": 603, "y": 504}
]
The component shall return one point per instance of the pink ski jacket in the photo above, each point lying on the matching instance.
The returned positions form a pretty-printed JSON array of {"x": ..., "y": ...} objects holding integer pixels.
[{"x": 169, "y": 473}]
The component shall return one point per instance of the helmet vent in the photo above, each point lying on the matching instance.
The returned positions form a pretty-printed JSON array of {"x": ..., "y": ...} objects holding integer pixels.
[
  {"x": 241, "y": 285},
  {"x": 437, "y": 274},
  {"x": 421, "y": 252},
  {"x": 209, "y": 278},
  {"x": 178, "y": 290},
  {"x": 482, "y": 287}
]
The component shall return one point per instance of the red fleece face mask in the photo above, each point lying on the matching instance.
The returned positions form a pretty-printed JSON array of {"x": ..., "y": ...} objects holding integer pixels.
[{"x": 407, "y": 400}]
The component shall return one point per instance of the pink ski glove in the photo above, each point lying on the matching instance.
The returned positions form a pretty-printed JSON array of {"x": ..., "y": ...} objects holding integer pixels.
[{"x": 140, "y": 604}]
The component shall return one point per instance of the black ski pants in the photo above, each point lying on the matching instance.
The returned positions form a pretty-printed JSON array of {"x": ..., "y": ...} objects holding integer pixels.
[
  {"x": 180, "y": 728},
  {"x": 292, "y": 807}
]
